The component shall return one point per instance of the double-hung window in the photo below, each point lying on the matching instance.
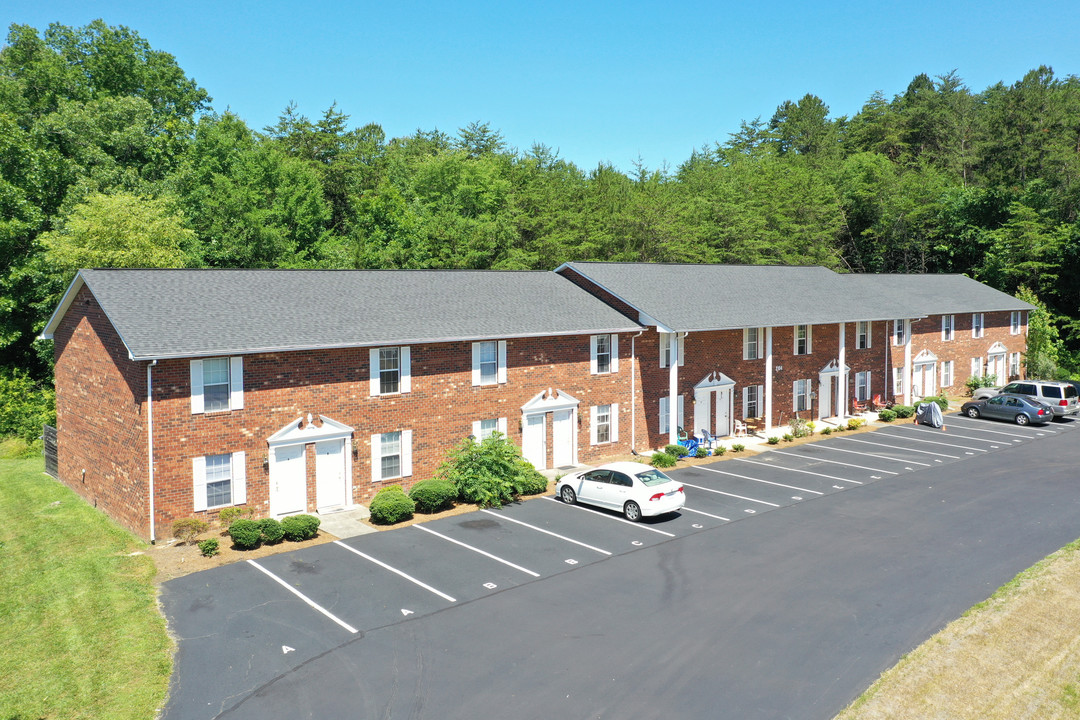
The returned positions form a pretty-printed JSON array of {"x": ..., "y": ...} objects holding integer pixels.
[
  {"x": 752, "y": 401},
  {"x": 862, "y": 335},
  {"x": 1014, "y": 365},
  {"x": 489, "y": 362},
  {"x": 802, "y": 339},
  {"x": 946, "y": 373},
  {"x": 948, "y": 322},
  {"x": 483, "y": 429},
  {"x": 898, "y": 381},
  {"x": 219, "y": 481},
  {"x": 1014, "y": 322},
  {"x": 665, "y": 349},
  {"x": 665, "y": 416},
  {"x": 976, "y": 325},
  {"x": 898, "y": 332},
  {"x": 603, "y": 354},
  {"x": 604, "y": 425},
  {"x": 217, "y": 384},
  {"x": 801, "y": 395},
  {"x": 976, "y": 367},
  {"x": 391, "y": 371},
  {"x": 752, "y": 343},
  {"x": 391, "y": 455},
  {"x": 862, "y": 386}
]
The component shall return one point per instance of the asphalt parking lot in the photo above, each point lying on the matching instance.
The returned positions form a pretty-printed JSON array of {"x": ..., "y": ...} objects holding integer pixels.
[{"x": 727, "y": 609}]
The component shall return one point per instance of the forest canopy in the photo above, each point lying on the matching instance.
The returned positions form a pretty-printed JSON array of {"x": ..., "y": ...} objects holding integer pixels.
[{"x": 111, "y": 155}]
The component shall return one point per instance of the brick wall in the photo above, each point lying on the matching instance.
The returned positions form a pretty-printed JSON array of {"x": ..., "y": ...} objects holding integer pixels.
[
  {"x": 926, "y": 335},
  {"x": 100, "y": 398}
]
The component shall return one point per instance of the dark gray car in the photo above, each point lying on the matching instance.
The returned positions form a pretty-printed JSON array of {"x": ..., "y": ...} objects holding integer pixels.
[
  {"x": 1060, "y": 397},
  {"x": 1019, "y": 409}
]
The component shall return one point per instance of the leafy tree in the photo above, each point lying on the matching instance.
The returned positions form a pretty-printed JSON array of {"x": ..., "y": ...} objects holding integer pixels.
[{"x": 1043, "y": 343}]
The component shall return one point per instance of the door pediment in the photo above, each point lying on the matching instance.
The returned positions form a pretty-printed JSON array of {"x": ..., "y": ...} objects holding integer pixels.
[
  {"x": 715, "y": 379},
  {"x": 307, "y": 430},
  {"x": 550, "y": 400}
]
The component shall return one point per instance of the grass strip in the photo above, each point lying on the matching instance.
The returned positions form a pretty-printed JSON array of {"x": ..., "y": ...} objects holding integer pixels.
[{"x": 79, "y": 621}]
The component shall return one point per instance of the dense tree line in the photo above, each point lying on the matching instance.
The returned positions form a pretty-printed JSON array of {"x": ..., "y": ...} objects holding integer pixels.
[{"x": 111, "y": 156}]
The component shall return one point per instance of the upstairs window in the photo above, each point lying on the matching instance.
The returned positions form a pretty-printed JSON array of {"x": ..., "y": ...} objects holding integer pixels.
[
  {"x": 802, "y": 339},
  {"x": 752, "y": 344},
  {"x": 947, "y": 324},
  {"x": 862, "y": 335},
  {"x": 1014, "y": 322},
  {"x": 665, "y": 349},
  {"x": 603, "y": 354},
  {"x": 217, "y": 384},
  {"x": 976, "y": 325},
  {"x": 898, "y": 332},
  {"x": 390, "y": 370},
  {"x": 489, "y": 362}
]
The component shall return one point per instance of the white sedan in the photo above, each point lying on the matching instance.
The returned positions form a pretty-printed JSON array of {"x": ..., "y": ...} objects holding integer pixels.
[{"x": 633, "y": 489}]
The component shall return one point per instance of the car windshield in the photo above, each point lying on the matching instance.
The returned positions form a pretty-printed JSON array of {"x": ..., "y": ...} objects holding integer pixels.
[{"x": 653, "y": 477}]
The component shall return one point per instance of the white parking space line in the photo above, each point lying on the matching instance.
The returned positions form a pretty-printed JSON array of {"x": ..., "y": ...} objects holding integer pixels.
[
  {"x": 834, "y": 462},
  {"x": 962, "y": 437},
  {"x": 609, "y": 517},
  {"x": 866, "y": 454},
  {"x": 303, "y": 597},
  {"x": 980, "y": 425},
  {"x": 763, "y": 482},
  {"x": 478, "y": 550},
  {"x": 805, "y": 472},
  {"x": 740, "y": 497},
  {"x": 394, "y": 570},
  {"x": 934, "y": 442},
  {"x": 901, "y": 447},
  {"x": 546, "y": 532},
  {"x": 699, "y": 512}
]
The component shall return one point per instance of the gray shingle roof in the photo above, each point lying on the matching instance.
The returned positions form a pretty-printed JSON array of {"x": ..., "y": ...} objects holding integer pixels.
[
  {"x": 716, "y": 297},
  {"x": 186, "y": 313},
  {"x": 933, "y": 294}
]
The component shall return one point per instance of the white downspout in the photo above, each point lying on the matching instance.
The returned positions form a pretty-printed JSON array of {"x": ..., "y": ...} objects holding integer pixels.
[
  {"x": 842, "y": 383},
  {"x": 907, "y": 362},
  {"x": 768, "y": 381},
  {"x": 673, "y": 389},
  {"x": 150, "y": 441},
  {"x": 633, "y": 391}
]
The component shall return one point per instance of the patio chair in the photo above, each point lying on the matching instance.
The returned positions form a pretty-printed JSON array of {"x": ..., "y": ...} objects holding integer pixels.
[
  {"x": 707, "y": 439},
  {"x": 740, "y": 428},
  {"x": 858, "y": 406}
]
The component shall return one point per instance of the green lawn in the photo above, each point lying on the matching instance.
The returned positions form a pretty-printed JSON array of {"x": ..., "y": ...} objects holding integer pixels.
[{"x": 79, "y": 624}]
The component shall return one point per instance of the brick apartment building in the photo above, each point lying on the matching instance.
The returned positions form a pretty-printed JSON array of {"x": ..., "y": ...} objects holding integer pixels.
[{"x": 181, "y": 392}]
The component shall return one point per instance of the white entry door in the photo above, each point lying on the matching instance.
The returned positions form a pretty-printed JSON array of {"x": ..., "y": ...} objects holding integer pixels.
[
  {"x": 996, "y": 365},
  {"x": 723, "y": 412},
  {"x": 562, "y": 438},
  {"x": 330, "y": 485},
  {"x": 824, "y": 396},
  {"x": 534, "y": 440},
  {"x": 288, "y": 480},
  {"x": 702, "y": 411},
  {"x": 923, "y": 380}
]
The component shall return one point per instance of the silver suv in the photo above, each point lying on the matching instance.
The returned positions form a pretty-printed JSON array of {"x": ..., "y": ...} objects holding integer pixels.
[{"x": 1060, "y": 396}]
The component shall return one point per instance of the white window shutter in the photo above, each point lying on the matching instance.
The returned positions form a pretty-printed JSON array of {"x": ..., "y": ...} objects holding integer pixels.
[
  {"x": 476, "y": 430},
  {"x": 745, "y": 402},
  {"x": 615, "y": 422},
  {"x": 502, "y": 362},
  {"x": 682, "y": 350},
  {"x": 809, "y": 339},
  {"x": 795, "y": 396},
  {"x": 236, "y": 383},
  {"x": 373, "y": 363},
  {"x": 664, "y": 415},
  {"x": 239, "y": 478},
  {"x": 614, "y": 353},
  {"x": 682, "y": 416},
  {"x": 502, "y": 427},
  {"x": 376, "y": 458},
  {"x": 196, "y": 388},
  {"x": 592, "y": 354},
  {"x": 406, "y": 370},
  {"x": 592, "y": 425},
  {"x": 475, "y": 364},
  {"x": 198, "y": 492},
  {"x": 406, "y": 453}
]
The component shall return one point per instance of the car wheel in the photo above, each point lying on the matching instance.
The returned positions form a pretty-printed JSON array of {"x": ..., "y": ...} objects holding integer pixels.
[
  {"x": 1022, "y": 419},
  {"x": 973, "y": 412},
  {"x": 568, "y": 495},
  {"x": 632, "y": 511}
]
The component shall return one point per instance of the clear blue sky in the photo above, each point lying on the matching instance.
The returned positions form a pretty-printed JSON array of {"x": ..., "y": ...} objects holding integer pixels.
[{"x": 599, "y": 82}]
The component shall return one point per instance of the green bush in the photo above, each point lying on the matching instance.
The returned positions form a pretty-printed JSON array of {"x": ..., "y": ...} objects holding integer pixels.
[
  {"x": 826, "y": 431},
  {"x": 903, "y": 411},
  {"x": 976, "y": 381},
  {"x": 433, "y": 495},
  {"x": 886, "y": 415},
  {"x": 840, "y": 428},
  {"x": 25, "y": 405},
  {"x": 675, "y": 450},
  {"x": 299, "y": 528},
  {"x": 391, "y": 505},
  {"x": 271, "y": 531},
  {"x": 529, "y": 481},
  {"x": 719, "y": 450},
  {"x": 773, "y": 440},
  {"x": 701, "y": 452},
  {"x": 245, "y": 534},
  {"x": 737, "y": 447},
  {"x": 855, "y": 423},
  {"x": 788, "y": 437},
  {"x": 209, "y": 547},
  {"x": 14, "y": 448},
  {"x": 488, "y": 473},
  {"x": 663, "y": 460},
  {"x": 229, "y": 515},
  {"x": 187, "y": 529},
  {"x": 941, "y": 400},
  {"x": 799, "y": 427}
]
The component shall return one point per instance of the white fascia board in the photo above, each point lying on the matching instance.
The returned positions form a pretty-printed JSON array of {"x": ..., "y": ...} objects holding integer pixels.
[{"x": 65, "y": 304}]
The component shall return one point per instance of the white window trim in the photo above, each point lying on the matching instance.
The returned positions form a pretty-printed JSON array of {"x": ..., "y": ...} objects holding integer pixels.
[
  {"x": 500, "y": 375},
  {"x": 759, "y": 333},
  {"x": 868, "y": 334},
  {"x": 898, "y": 381},
  {"x": 807, "y": 389},
  {"x": 759, "y": 391},
  {"x": 238, "y": 482},
  {"x": 236, "y": 386},
  {"x": 976, "y": 367},
  {"x": 863, "y": 379},
  {"x": 664, "y": 414},
  {"x": 665, "y": 341},
  {"x": 946, "y": 373},
  {"x": 1015, "y": 322},
  {"x": 795, "y": 339},
  {"x": 1014, "y": 364},
  {"x": 947, "y": 328},
  {"x": 613, "y": 360},
  {"x": 977, "y": 325},
  {"x": 899, "y": 334},
  {"x": 406, "y": 456},
  {"x": 613, "y": 424},
  {"x": 404, "y": 371},
  {"x": 476, "y": 428}
]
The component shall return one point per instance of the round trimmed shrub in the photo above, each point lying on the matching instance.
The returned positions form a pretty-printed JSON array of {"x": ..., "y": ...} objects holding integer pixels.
[
  {"x": 271, "y": 530},
  {"x": 245, "y": 534},
  {"x": 298, "y": 528},
  {"x": 719, "y": 450},
  {"x": 529, "y": 481},
  {"x": 209, "y": 547},
  {"x": 738, "y": 447},
  {"x": 903, "y": 411},
  {"x": 677, "y": 451},
  {"x": 663, "y": 460},
  {"x": 187, "y": 529},
  {"x": 391, "y": 505},
  {"x": 433, "y": 495},
  {"x": 701, "y": 452},
  {"x": 886, "y": 416},
  {"x": 773, "y": 440},
  {"x": 788, "y": 437}
]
